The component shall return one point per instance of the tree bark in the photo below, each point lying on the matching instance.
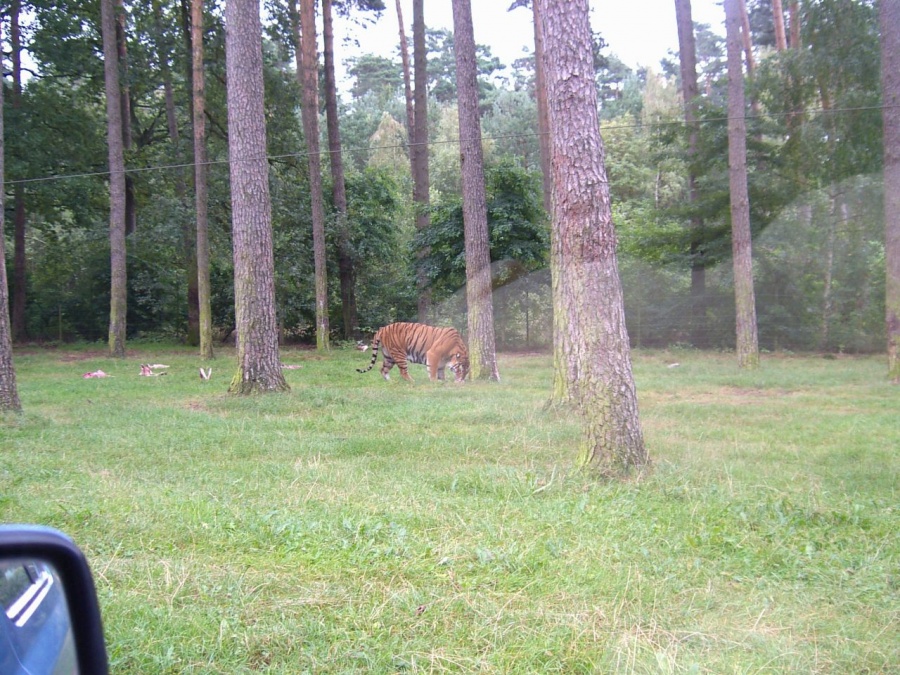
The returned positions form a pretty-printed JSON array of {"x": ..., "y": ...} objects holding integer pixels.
[
  {"x": 540, "y": 93},
  {"x": 125, "y": 97},
  {"x": 794, "y": 15},
  {"x": 690, "y": 91},
  {"x": 889, "y": 18},
  {"x": 741, "y": 246},
  {"x": 746, "y": 40},
  {"x": 591, "y": 315},
  {"x": 421, "y": 197},
  {"x": 778, "y": 20},
  {"x": 9, "y": 393},
  {"x": 346, "y": 271},
  {"x": 188, "y": 228},
  {"x": 118, "y": 285},
  {"x": 259, "y": 365},
  {"x": 407, "y": 87},
  {"x": 201, "y": 182},
  {"x": 307, "y": 73},
  {"x": 20, "y": 265},
  {"x": 562, "y": 393},
  {"x": 482, "y": 347}
]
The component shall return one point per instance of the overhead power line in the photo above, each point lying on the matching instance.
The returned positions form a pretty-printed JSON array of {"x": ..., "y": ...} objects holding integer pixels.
[{"x": 453, "y": 141}]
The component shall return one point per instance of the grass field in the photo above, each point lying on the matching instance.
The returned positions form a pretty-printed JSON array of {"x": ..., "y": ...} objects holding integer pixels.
[{"x": 358, "y": 525}]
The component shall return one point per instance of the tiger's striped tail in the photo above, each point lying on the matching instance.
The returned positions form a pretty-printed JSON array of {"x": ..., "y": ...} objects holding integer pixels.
[{"x": 376, "y": 342}]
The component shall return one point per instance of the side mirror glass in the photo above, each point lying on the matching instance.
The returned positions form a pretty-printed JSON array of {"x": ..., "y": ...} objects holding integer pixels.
[{"x": 49, "y": 614}]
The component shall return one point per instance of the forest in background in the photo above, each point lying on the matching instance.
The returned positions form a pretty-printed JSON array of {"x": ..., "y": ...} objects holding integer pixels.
[{"x": 814, "y": 172}]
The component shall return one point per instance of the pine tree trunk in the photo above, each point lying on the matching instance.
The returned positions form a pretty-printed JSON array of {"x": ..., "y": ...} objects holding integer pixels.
[
  {"x": 20, "y": 266},
  {"x": 690, "y": 91},
  {"x": 125, "y": 97},
  {"x": 259, "y": 365},
  {"x": 561, "y": 394},
  {"x": 118, "y": 285},
  {"x": 482, "y": 347},
  {"x": 188, "y": 234},
  {"x": 421, "y": 196},
  {"x": 741, "y": 246},
  {"x": 889, "y": 16},
  {"x": 201, "y": 172},
  {"x": 346, "y": 271},
  {"x": 9, "y": 393},
  {"x": 540, "y": 94},
  {"x": 778, "y": 20},
  {"x": 407, "y": 88},
  {"x": 794, "y": 16},
  {"x": 308, "y": 74},
  {"x": 746, "y": 41},
  {"x": 591, "y": 313}
]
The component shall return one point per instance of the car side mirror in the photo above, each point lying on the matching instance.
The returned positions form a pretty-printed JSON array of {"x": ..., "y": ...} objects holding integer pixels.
[{"x": 49, "y": 613}]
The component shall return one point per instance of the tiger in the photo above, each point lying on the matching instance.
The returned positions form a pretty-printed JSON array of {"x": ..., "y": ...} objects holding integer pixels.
[{"x": 435, "y": 347}]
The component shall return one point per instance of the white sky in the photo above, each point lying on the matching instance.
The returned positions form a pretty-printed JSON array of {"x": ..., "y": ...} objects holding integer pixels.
[{"x": 640, "y": 32}]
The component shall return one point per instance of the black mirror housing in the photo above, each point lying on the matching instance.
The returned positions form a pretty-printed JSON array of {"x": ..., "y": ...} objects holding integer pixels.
[{"x": 48, "y": 545}]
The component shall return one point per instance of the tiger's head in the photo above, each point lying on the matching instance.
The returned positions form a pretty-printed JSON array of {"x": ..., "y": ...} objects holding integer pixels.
[{"x": 459, "y": 364}]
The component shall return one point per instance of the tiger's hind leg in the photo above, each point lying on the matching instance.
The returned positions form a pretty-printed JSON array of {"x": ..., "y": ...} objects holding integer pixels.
[
  {"x": 398, "y": 356},
  {"x": 386, "y": 366}
]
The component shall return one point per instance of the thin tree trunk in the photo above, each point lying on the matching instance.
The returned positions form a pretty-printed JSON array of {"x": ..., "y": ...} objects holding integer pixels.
[
  {"x": 828, "y": 280},
  {"x": 745, "y": 302},
  {"x": 421, "y": 196},
  {"x": 690, "y": 89},
  {"x": 259, "y": 365},
  {"x": 889, "y": 17},
  {"x": 20, "y": 265},
  {"x": 562, "y": 393},
  {"x": 9, "y": 393},
  {"x": 125, "y": 94},
  {"x": 778, "y": 19},
  {"x": 188, "y": 236},
  {"x": 346, "y": 271},
  {"x": 201, "y": 172},
  {"x": 407, "y": 87},
  {"x": 794, "y": 16},
  {"x": 591, "y": 316},
  {"x": 746, "y": 40},
  {"x": 304, "y": 26},
  {"x": 417, "y": 153},
  {"x": 540, "y": 93},
  {"x": 118, "y": 287},
  {"x": 482, "y": 345}
]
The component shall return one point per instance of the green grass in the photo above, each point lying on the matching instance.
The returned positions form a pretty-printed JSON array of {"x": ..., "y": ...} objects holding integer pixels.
[{"x": 357, "y": 525}]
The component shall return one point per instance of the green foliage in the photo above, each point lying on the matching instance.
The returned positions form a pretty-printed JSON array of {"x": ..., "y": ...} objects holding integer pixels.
[
  {"x": 385, "y": 275},
  {"x": 814, "y": 145},
  {"x": 511, "y": 125},
  {"x": 359, "y": 525},
  {"x": 375, "y": 75},
  {"x": 442, "y": 67},
  {"x": 517, "y": 228},
  {"x": 69, "y": 284}
]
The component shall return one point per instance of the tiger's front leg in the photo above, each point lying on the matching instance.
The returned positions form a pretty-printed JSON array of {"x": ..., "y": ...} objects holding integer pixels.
[{"x": 435, "y": 366}]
